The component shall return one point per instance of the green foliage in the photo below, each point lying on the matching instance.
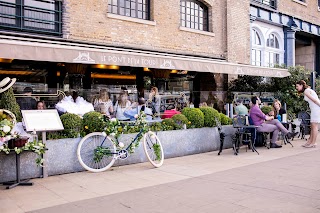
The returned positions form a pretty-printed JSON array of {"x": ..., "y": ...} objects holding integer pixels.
[
  {"x": 9, "y": 102},
  {"x": 54, "y": 135},
  {"x": 156, "y": 126},
  {"x": 195, "y": 117},
  {"x": 266, "y": 109},
  {"x": 247, "y": 83},
  {"x": 209, "y": 116},
  {"x": 180, "y": 120},
  {"x": 285, "y": 91},
  {"x": 283, "y": 88},
  {"x": 72, "y": 124},
  {"x": 93, "y": 122},
  {"x": 168, "y": 124},
  {"x": 225, "y": 120}
]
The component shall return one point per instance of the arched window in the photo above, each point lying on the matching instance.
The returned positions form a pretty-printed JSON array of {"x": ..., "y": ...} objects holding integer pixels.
[
  {"x": 132, "y": 8},
  {"x": 273, "y": 50},
  {"x": 194, "y": 14},
  {"x": 256, "y": 52}
]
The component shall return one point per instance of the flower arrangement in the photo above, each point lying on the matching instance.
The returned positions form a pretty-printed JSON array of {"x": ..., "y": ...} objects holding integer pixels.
[
  {"x": 114, "y": 129},
  {"x": 8, "y": 138},
  {"x": 7, "y": 121},
  {"x": 36, "y": 147}
]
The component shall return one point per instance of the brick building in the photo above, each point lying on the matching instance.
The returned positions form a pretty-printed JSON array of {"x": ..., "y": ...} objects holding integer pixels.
[{"x": 179, "y": 45}]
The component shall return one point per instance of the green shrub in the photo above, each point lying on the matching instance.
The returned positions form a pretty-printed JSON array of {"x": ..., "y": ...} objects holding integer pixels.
[
  {"x": 156, "y": 126},
  {"x": 210, "y": 115},
  {"x": 266, "y": 109},
  {"x": 72, "y": 125},
  {"x": 168, "y": 124},
  {"x": 180, "y": 120},
  {"x": 9, "y": 102},
  {"x": 54, "y": 135},
  {"x": 195, "y": 117},
  {"x": 92, "y": 122},
  {"x": 225, "y": 120}
]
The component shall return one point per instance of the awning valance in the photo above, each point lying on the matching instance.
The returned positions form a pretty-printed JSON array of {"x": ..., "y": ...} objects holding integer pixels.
[{"x": 56, "y": 51}]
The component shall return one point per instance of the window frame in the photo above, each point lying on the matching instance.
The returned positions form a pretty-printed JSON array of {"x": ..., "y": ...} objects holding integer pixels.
[
  {"x": 121, "y": 7},
  {"x": 23, "y": 22},
  {"x": 257, "y": 47},
  {"x": 202, "y": 23},
  {"x": 273, "y": 49}
]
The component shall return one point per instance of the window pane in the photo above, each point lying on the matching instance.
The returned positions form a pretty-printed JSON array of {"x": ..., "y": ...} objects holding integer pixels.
[
  {"x": 131, "y": 8},
  {"x": 195, "y": 12}
]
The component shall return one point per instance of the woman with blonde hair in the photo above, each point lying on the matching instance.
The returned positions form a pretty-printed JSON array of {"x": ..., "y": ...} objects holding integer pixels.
[
  {"x": 103, "y": 103},
  {"x": 314, "y": 103},
  {"x": 278, "y": 110},
  {"x": 121, "y": 105}
]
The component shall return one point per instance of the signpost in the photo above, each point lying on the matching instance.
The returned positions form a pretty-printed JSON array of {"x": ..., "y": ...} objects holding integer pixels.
[{"x": 42, "y": 121}]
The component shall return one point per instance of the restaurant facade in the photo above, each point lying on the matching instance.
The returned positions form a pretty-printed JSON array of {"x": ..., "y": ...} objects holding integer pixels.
[{"x": 187, "y": 46}]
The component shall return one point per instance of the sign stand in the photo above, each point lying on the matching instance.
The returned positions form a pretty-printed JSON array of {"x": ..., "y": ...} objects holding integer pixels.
[{"x": 42, "y": 121}]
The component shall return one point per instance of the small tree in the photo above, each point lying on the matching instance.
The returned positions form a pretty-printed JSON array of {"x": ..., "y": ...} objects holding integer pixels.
[
  {"x": 284, "y": 89},
  {"x": 9, "y": 102}
]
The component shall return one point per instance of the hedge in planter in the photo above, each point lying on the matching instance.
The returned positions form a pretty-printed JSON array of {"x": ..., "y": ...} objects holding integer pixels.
[
  {"x": 72, "y": 124},
  {"x": 92, "y": 122},
  {"x": 225, "y": 120},
  {"x": 9, "y": 102},
  {"x": 210, "y": 115},
  {"x": 168, "y": 124},
  {"x": 180, "y": 120},
  {"x": 195, "y": 117}
]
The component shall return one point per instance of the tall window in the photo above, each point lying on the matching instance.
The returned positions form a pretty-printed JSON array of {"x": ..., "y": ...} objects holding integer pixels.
[
  {"x": 194, "y": 14},
  {"x": 132, "y": 8},
  {"x": 273, "y": 50},
  {"x": 42, "y": 16},
  {"x": 256, "y": 52}
]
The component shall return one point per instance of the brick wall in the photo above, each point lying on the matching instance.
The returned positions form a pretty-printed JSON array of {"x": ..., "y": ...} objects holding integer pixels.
[
  {"x": 308, "y": 11},
  {"x": 238, "y": 31},
  {"x": 89, "y": 21}
]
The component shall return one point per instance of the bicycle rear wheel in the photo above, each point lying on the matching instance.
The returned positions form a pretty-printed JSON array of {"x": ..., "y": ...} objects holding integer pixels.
[
  {"x": 153, "y": 149},
  {"x": 95, "y": 156}
]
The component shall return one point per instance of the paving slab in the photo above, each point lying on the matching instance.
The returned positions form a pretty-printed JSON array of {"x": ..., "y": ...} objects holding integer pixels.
[{"x": 277, "y": 180}]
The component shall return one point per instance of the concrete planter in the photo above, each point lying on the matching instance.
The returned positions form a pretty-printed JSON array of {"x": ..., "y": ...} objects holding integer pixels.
[{"x": 61, "y": 157}]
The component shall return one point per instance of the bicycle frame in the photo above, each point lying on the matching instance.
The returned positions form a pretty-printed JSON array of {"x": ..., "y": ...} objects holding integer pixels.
[{"x": 128, "y": 147}]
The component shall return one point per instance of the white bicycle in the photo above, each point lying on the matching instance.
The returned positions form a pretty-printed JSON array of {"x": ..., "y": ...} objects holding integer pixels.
[{"x": 97, "y": 152}]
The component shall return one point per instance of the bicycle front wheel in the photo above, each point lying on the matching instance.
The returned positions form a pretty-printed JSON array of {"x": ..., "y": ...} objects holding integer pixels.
[
  {"x": 153, "y": 149},
  {"x": 96, "y": 152}
]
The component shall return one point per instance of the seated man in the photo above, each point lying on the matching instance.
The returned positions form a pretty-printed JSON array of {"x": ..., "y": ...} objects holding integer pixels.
[
  {"x": 267, "y": 123},
  {"x": 130, "y": 113}
]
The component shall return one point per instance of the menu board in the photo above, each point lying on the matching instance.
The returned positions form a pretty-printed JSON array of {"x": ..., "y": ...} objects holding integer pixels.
[{"x": 42, "y": 120}]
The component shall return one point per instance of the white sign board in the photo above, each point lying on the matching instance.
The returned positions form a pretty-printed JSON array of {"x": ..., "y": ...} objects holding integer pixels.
[{"x": 42, "y": 120}]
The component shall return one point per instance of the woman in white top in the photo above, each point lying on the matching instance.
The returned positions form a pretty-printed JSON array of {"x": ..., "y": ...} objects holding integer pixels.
[
  {"x": 121, "y": 105},
  {"x": 314, "y": 103},
  {"x": 103, "y": 104}
]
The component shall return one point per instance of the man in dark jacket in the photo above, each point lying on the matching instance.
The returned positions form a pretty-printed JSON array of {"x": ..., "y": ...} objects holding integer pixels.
[{"x": 27, "y": 102}]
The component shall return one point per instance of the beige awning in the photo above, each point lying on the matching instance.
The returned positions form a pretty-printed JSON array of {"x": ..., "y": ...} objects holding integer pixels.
[{"x": 57, "y": 51}]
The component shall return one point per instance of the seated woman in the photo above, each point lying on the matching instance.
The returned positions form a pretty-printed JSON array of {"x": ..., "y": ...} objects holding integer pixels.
[
  {"x": 135, "y": 110},
  {"x": 41, "y": 105},
  {"x": 278, "y": 110},
  {"x": 121, "y": 105},
  {"x": 103, "y": 103}
]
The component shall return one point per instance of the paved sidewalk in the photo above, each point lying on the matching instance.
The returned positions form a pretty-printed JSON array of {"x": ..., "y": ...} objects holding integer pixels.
[{"x": 277, "y": 180}]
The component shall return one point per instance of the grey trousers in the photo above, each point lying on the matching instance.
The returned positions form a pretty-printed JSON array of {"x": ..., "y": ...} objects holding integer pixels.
[{"x": 274, "y": 126}]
